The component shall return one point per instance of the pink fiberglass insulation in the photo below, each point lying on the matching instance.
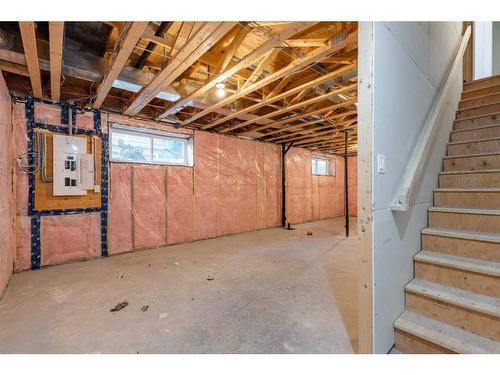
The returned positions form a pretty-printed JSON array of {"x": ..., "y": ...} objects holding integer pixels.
[
  {"x": 298, "y": 185},
  {"x": 247, "y": 181},
  {"x": 23, "y": 243},
  {"x": 47, "y": 113},
  {"x": 149, "y": 206},
  {"x": 315, "y": 198},
  {"x": 260, "y": 184},
  {"x": 228, "y": 161},
  {"x": 272, "y": 177},
  {"x": 69, "y": 237},
  {"x": 206, "y": 183},
  {"x": 7, "y": 233},
  {"x": 120, "y": 209},
  {"x": 21, "y": 141},
  {"x": 353, "y": 185},
  {"x": 180, "y": 221},
  {"x": 85, "y": 120}
]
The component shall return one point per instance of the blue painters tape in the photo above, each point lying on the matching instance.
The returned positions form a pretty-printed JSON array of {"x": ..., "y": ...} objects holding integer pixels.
[{"x": 35, "y": 242}]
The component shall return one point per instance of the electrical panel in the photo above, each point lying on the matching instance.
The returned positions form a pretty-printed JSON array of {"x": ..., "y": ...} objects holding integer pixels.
[{"x": 73, "y": 167}]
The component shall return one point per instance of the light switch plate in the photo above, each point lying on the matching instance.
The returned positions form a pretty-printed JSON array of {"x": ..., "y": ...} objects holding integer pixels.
[{"x": 380, "y": 164}]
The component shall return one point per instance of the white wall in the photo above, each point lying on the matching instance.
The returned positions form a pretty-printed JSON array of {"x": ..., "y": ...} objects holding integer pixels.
[
  {"x": 410, "y": 63},
  {"x": 496, "y": 48},
  {"x": 483, "y": 33}
]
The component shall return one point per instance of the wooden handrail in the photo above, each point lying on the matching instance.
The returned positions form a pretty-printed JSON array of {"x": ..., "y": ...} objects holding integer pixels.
[{"x": 415, "y": 166}]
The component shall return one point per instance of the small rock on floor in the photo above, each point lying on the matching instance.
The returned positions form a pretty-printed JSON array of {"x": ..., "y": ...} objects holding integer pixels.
[{"x": 119, "y": 306}]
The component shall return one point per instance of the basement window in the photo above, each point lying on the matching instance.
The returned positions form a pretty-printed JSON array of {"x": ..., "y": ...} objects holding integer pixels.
[
  {"x": 320, "y": 166},
  {"x": 140, "y": 145}
]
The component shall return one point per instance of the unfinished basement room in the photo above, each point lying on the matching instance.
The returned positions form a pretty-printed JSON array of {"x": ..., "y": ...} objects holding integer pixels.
[{"x": 178, "y": 187}]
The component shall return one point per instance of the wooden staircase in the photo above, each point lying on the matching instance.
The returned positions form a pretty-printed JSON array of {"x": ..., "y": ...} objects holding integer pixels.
[{"x": 453, "y": 303}]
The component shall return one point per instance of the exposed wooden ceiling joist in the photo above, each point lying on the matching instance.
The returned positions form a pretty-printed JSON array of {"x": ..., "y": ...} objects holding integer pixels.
[
  {"x": 133, "y": 34},
  {"x": 56, "y": 38},
  {"x": 205, "y": 37},
  {"x": 28, "y": 35},
  {"x": 268, "y": 45}
]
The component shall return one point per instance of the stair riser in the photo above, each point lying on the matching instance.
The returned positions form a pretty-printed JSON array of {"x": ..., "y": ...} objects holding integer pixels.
[
  {"x": 409, "y": 344},
  {"x": 478, "y": 111},
  {"x": 490, "y": 99},
  {"x": 457, "y": 278},
  {"x": 462, "y": 247},
  {"x": 476, "y": 122},
  {"x": 490, "y": 82},
  {"x": 467, "y": 199},
  {"x": 473, "y": 163},
  {"x": 465, "y": 221},
  {"x": 461, "y": 317},
  {"x": 483, "y": 147},
  {"x": 481, "y": 92},
  {"x": 470, "y": 180},
  {"x": 475, "y": 134}
]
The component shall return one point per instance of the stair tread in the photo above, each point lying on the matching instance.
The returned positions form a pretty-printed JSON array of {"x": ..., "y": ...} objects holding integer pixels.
[
  {"x": 471, "y": 155},
  {"x": 463, "y": 234},
  {"x": 452, "y": 338},
  {"x": 466, "y": 171},
  {"x": 478, "y": 106},
  {"x": 467, "y": 190},
  {"x": 484, "y": 79},
  {"x": 459, "y": 210},
  {"x": 477, "y": 116},
  {"x": 475, "y": 129},
  {"x": 479, "y": 140},
  {"x": 480, "y": 96},
  {"x": 459, "y": 297},
  {"x": 467, "y": 264}
]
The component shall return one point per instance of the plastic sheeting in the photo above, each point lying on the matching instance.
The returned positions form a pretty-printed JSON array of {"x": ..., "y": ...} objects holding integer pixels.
[
  {"x": 311, "y": 197},
  {"x": 233, "y": 187},
  {"x": 353, "y": 185}
]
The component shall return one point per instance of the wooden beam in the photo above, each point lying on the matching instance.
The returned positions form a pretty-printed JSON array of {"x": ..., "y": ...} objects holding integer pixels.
[
  {"x": 281, "y": 84},
  {"x": 28, "y": 36},
  {"x": 300, "y": 43},
  {"x": 56, "y": 38},
  {"x": 261, "y": 66},
  {"x": 134, "y": 33},
  {"x": 277, "y": 124},
  {"x": 182, "y": 36},
  {"x": 298, "y": 129},
  {"x": 271, "y": 43},
  {"x": 231, "y": 50},
  {"x": 205, "y": 37},
  {"x": 294, "y": 106},
  {"x": 292, "y": 91},
  {"x": 294, "y": 66},
  {"x": 303, "y": 134}
]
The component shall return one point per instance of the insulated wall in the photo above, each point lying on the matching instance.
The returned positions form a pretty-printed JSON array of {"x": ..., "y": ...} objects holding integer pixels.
[
  {"x": 63, "y": 238},
  {"x": 410, "y": 63},
  {"x": 313, "y": 197},
  {"x": 234, "y": 186},
  {"x": 7, "y": 236}
]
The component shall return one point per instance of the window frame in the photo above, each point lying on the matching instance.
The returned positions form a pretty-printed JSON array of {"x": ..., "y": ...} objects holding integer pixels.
[
  {"x": 327, "y": 160},
  {"x": 152, "y": 134}
]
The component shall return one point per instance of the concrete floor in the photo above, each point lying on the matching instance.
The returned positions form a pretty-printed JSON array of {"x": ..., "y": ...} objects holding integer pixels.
[{"x": 273, "y": 291}]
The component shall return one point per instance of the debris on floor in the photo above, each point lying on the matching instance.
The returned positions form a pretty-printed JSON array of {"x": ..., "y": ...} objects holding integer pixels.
[
  {"x": 144, "y": 308},
  {"x": 163, "y": 315},
  {"x": 119, "y": 306},
  {"x": 176, "y": 263},
  {"x": 309, "y": 233},
  {"x": 120, "y": 277},
  {"x": 210, "y": 277}
]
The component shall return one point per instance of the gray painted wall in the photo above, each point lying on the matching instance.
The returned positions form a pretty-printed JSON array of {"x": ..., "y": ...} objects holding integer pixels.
[{"x": 410, "y": 63}]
